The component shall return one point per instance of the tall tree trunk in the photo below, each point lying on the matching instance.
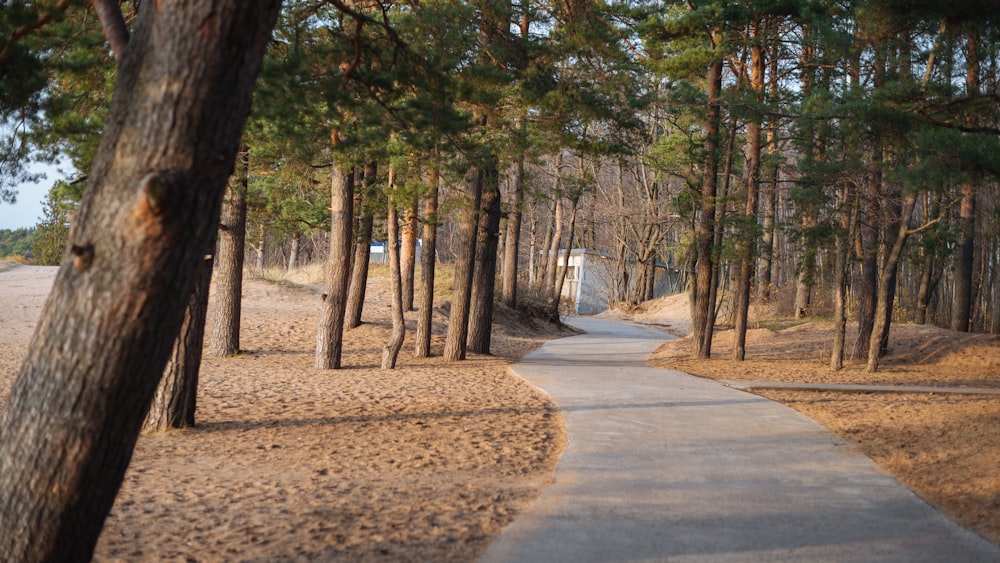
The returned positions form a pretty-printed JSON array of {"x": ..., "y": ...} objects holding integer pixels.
[
  {"x": 408, "y": 252},
  {"x": 512, "y": 238},
  {"x": 887, "y": 279},
  {"x": 704, "y": 312},
  {"x": 552, "y": 265},
  {"x": 720, "y": 227},
  {"x": 333, "y": 308},
  {"x": 293, "y": 252},
  {"x": 149, "y": 211},
  {"x": 229, "y": 263},
  {"x": 484, "y": 273},
  {"x": 561, "y": 279},
  {"x": 465, "y": 261},
  {"x": 842, "y": 244},
  {"x": 868, "y": 290},
  {"x": 260, "y": 250},
  {"x": 807, "y": 267},
  {"x": 552, "y": 258},
  {"x": 390, "y": 352},
  {"x": 542, "y": 259},
  {"x": 362, "y": 252},
  {"x": 747, "y": 245},
  {"x": 177, "y": 395},
  {"x": 765, "y": 282},
  {"x": 425, "y": 307},
  {"x": 512, "y": 244},
  {"x": 962, "y": 311}
]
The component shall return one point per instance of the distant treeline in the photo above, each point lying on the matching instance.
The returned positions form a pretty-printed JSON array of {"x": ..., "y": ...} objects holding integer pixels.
[{"x": 17, "y": 242}]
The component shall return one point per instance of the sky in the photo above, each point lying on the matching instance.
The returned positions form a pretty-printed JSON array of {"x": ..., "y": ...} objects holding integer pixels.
[{"x": 28, "y": 209}]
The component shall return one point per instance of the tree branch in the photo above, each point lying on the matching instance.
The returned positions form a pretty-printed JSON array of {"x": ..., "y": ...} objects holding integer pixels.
[
  {"x": 43, "y": 19},
  {"x": 113, "y": 23}
]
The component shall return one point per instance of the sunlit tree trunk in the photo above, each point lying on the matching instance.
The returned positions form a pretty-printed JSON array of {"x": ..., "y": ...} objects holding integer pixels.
[
  {"x": 362, "y": 253},
  {"x": 748, "y": 244},
  {"x": 561, "y": 279},
  {"x": 293, "y": 252},
  {"x": 883, "y": 308},
  {"x": 704, "y": 313},
  {"x": 512, "y": 242},
  {"x": 484, "y": 273},
  {"x": 408, "y": 252},
  {"x": 465, "y": 261},
  {"x": 390, "y": 352},
  {"x": 333, "y": 308},
  {"x": 229, "y": 263},
  {"x": 425, "y": 308},
  {"x": 962, "y": 311},
  {"x": 105, "y": 335},
  {"x": 176, "y": 397}
]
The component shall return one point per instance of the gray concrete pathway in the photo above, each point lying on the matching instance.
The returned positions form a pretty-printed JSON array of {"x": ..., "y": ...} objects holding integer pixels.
[{"x": 664, "y": 466}]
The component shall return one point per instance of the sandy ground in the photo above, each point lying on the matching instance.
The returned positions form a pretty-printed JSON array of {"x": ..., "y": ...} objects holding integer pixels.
[
  {"x": 430, "y": 461},
  {"x": 424, "y": 463},
  {"x": 944, "y": 447}
]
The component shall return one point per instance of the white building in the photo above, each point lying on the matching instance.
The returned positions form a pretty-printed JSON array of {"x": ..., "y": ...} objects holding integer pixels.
[{"x": 590, "y": 278}]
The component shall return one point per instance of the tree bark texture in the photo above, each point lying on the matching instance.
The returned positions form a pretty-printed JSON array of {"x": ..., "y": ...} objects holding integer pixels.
[
  {"x": 868, "y": 290},
  {"x": 807, "y": 268},
  {"x": 177, "y": 395},
  {"x": 484, "y": 273},
  {"x": 390, "y": 352},
  {"x": 425, "y": 308},
  {"x": 408, "y": 252},
  {"x": 330, "y": 333},
  {"x": 962, "y": 311},
  {"x": 106, "y": 332},
  {"x": 705, "y": 267},
  {"x": 561, "y": 278},
  {"x": 293, "y": 252},
  {"x": 359, "y": 272},
  {"x": 747, "y": 245},
  {"x": 362, "y": 251},
  {"x": 552, "y": 260},
  {"x": 512, "y": 243},
  {"x": 886, "y": 287},
  {"x": 229, "y": 263},
  {"x": 842, "y": 243},
  {"x": 465, "y": 262}
]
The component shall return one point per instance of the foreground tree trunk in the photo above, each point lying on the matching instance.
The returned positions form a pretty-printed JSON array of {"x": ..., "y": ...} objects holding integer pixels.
[
  {"x": 330, "y": 334},
  {"x": 177, "y": 395},
  {"x": 229, "y": 279},
  {"x": 484, "y": 273},
  {"x": 465, "y": 263},
  {"x": 425, "y": 307},
  {"x": 105, "y": 335}
]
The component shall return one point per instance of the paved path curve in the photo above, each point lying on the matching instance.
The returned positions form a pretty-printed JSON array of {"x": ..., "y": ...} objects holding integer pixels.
[{"x": 662, "y": 465}]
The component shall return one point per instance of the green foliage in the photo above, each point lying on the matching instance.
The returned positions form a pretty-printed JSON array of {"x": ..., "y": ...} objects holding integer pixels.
[
  {"x": 17, "y": 242},
  {"x": 52, "y": 233}
]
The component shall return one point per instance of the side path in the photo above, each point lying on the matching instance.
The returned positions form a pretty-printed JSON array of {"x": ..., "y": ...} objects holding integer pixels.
[{"x": 662, "y": 465}]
